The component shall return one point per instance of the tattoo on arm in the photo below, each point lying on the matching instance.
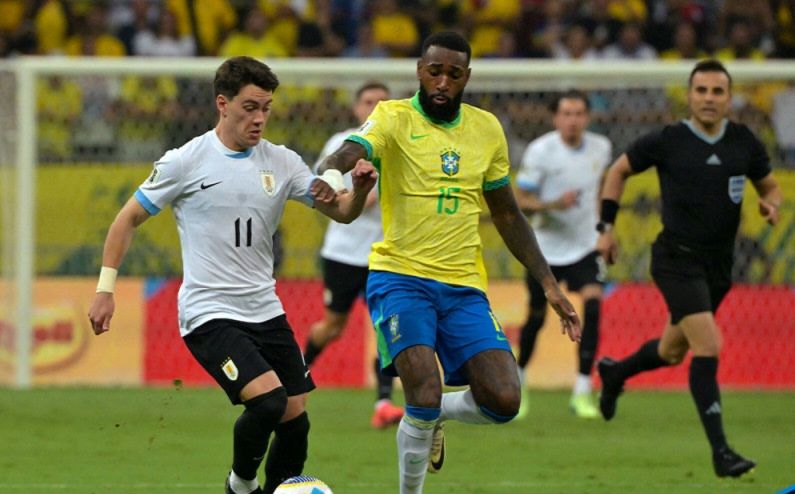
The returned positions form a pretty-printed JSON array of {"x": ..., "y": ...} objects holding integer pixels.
[{"x": 344, "y": 158}]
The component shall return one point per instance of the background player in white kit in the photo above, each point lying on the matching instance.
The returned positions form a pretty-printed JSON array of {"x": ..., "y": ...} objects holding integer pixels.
[
  {"x": 227, "y": 189},
  {"x": 558, "y": 182},
  {"x": 344, "y": 257}
]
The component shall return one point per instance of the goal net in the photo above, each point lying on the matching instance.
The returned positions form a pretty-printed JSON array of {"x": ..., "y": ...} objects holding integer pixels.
[{"x": 96, "y": 125}]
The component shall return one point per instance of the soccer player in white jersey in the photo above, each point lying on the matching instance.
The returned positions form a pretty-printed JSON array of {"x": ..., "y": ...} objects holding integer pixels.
[
  {"x": 344, "y": 259},
  {"x": 228, "y": 188},
  {"x": 558, "y": 183}
]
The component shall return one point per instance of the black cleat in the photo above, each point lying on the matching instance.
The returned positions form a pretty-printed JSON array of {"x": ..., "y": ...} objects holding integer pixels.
[
  {"x": 228, "y": 488},
  {"x": 727, "y": 463},
  {"x": 612, "y": 387}
]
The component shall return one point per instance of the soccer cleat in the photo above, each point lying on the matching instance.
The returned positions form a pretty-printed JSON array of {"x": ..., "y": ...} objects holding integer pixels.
[
  {"x": 524, "y": 405},
  {"x": 436, "y": 456},
  {"x": 727, "y": 463},
  {"x": 612, "y": 387},
  {"x": 386, "y": 414},
  {"x": 582, "y": 406},
  {"x": 228, "y": 488}
]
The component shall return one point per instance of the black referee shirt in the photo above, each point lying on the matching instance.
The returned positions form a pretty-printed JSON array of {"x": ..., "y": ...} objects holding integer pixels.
[{"x": 702, "y": 179}]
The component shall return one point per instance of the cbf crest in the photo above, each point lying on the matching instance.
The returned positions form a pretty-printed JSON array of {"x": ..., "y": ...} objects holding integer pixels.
[
  {"x": 268, "y": 181},
  {"x": 450, "y": 159}
]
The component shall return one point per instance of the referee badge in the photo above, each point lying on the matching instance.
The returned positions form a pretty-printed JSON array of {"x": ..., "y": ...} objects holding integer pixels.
[
  {"x": 736, "y": 188},
  {"x": 230, "y": 369},
  {"x": 268, "y": 181}
]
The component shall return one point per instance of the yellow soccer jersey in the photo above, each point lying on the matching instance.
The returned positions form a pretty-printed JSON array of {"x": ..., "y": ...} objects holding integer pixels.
[{"x": 432, "y": 178}]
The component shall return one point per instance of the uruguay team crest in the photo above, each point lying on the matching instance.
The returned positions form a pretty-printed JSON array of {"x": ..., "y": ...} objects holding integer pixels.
[
  {"x": 230, "y": 369},
  {"x": 268, "y": 181},
  {"x": 450, "y": 160}
]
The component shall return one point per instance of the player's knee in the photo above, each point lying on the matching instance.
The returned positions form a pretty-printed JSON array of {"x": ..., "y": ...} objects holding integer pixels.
[
  {"x": 268, "y": 407},
  {"x": 500, "y": 417},
  {"x": 502, "y": 406},
  {"x": 672, "y": 355}
]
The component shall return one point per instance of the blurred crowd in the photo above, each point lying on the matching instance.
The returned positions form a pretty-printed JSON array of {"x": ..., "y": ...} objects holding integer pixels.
[{"x": 561, "y": 29}]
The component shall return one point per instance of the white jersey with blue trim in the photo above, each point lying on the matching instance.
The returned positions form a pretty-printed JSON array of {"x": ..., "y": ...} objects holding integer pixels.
[
  {"x": 350, "y": 243},
  {"x": 227, "y": 205},
  {"x": 551, "y": 167}
]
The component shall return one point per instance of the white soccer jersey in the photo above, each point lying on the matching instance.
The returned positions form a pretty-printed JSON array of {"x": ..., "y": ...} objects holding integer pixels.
[
  {"x": 550, "y": 168},
  {"x": 350, "y": 244},
  {"x": 227, "y": 205}
]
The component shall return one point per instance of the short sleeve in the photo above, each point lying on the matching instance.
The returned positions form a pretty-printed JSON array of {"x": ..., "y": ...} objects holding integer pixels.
[
  {"x": 301, "y": 178},
  {"x": 531, "y": 173},
  {"x": 374, "y": 133},
  {"x": 759, "y": 166},
  {"x": 646, "y": 152},
  {"x": 163, "y": 185},
  {"x": 498, "y": 172}
]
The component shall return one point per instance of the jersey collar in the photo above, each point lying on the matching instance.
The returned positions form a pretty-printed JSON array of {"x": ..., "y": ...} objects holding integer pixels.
[
  {"x": 230, "y": 153},
  {"x": 415, "y": 102},
  {"x": 704, "y": 137}
]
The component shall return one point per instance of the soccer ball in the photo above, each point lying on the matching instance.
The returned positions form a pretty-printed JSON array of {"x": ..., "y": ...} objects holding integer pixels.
[{"x": 303, "y": 484}]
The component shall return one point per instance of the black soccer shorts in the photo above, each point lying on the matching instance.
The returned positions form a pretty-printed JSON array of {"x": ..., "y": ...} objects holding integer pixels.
[
  {"x": 691, "y": 281},
  {"x": 342, "y": 284},
  {"x": 236, "y": 352}
]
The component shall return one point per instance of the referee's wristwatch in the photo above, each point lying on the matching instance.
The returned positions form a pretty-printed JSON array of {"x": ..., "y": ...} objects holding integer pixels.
[{"x": 603, "y": 227}]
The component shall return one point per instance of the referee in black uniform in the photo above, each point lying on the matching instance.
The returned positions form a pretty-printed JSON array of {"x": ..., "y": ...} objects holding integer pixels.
[{"x": 702, "y": 164}]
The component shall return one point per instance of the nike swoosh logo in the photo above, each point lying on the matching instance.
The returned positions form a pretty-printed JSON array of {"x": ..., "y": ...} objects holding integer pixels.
[
  {"x": 414, "y": 137},
  {"x": 415, "y": 462},
  {"x": 209, "y": 185}
]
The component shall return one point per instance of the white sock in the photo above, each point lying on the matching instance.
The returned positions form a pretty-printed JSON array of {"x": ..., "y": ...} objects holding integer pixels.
[
  {"x": 414, "y": 438},
  {"x": 521, "y": 373},
  {"x": 582, "y": 385},
  {"x": 241, "y": 485},
  {"x": 461, "y": 406}
]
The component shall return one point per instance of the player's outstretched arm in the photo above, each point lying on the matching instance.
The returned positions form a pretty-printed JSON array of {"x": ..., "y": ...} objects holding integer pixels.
[
  {"x": 345, "y": 206},
  {"x": 769, "y": 197},
  {"x": 343, "y": 159},
  {"x": 520, "y": 240},
  {"x": 120, "y": 235}
]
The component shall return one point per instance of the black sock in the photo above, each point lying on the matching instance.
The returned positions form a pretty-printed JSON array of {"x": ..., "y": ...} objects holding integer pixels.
[
  {"x": 706, "y": 394},
  {"x": 311, "y": 352},
  {"x": 253, "y": 429},
  {"x": 384, "y": 382},
  {"x": 527, "y": 337},
  {"x": 590, "y": 335},
  {"x": 287, "y": 453},
  {"x": 645, "y": 359}
]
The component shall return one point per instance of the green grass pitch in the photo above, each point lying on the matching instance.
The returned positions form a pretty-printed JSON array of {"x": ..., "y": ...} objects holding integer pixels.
[{"x": 82, "y": 441}]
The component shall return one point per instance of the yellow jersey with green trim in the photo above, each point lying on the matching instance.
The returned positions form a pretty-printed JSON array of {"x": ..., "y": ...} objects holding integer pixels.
[{"x": 431, "y": 183}]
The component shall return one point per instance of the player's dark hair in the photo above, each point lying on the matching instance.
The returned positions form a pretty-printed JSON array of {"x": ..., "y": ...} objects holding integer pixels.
[
  {"x": 570, "y": 94},
  {"x": 237, "y": 72},
  {"x": 447, "y": 39},
  {"x": 709, "y": 65},
  {"x": 371, "y": 85}
]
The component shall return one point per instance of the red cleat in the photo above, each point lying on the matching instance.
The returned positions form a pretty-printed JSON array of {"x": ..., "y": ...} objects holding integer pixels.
[{"x": 386, "y": 414}]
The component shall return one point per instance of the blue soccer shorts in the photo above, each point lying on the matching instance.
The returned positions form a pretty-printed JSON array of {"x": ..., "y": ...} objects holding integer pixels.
[{"x": 454, "y": 320}]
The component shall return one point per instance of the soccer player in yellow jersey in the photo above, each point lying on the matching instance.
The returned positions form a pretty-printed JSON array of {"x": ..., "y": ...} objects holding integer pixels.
[{"x": 437, "y": 159}]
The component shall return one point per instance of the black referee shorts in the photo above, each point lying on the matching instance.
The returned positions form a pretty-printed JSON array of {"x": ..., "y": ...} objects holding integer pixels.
[
  {"x": 691, "y": 281},
  {"x": 342, "y": 284},
  {"x": 236, "y": 352}
]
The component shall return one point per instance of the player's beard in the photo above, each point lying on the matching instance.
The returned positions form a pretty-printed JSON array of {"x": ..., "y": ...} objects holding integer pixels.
[{"x": 446, "y": 112}]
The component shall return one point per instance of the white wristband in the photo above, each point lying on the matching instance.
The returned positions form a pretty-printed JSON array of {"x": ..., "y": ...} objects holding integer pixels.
[
  {"x": 333, "y": 177},
  {"x": 107, "y": 280}
]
